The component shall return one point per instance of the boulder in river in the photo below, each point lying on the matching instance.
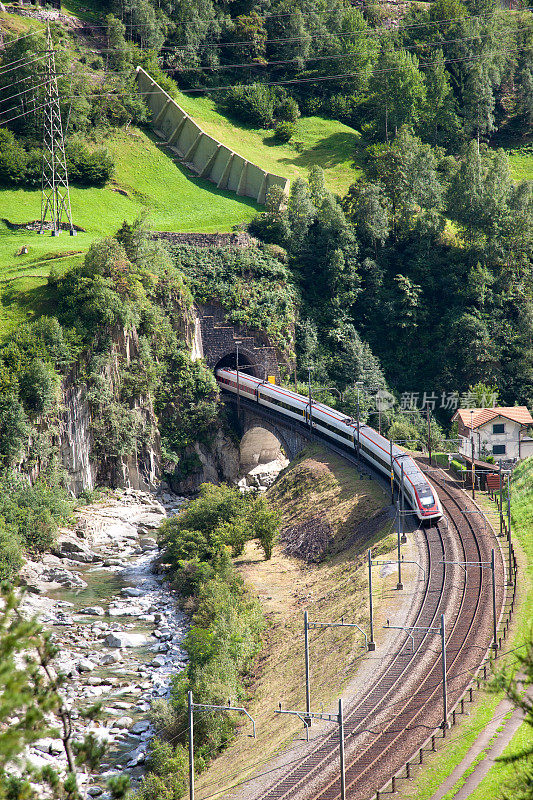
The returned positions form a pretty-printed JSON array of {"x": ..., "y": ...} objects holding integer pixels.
[
  {"x": 93, "y": 611},
  {"x": 69, "y": 547},
  {"x": 132, "y": 591},
  {"x": 85, "y": 665},
  {"x": 66, "y": 579},
  {"x": 118, "y": 639},
  {"x": 141, "y": 726}
]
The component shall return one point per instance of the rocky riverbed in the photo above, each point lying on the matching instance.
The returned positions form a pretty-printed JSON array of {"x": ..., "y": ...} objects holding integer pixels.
[
  {"x": 115, "y": 621},
  {"x": 117, "y": 625}
]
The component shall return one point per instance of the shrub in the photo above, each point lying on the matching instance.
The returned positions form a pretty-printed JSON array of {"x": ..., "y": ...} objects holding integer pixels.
[
  {"x": 253, "y": 103},
  {"x": 32, "y": 513},
  {"x": 88, "y": 168},
  {"x": 457, "y": 467},
  {"x": 224, "y": 637},
  {"x": 285, "y": 131},
  {"x": 342, "y": 107},
  {"x": 21, "y": 167},
  {"x": 264, "y": 523},
  {"x": 221, "y": 516},
  {"x": 13, "y": 159},
  {"x": 10, "y": 552},
  {"x": 287, "y": 109},
  {"x": 271, "y": 227},
  {"x": 14, "y": 428},
  {"x": 39, "y": 385}
]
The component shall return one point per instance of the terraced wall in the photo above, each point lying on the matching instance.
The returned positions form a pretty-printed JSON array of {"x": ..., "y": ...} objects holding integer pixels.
[{"x": 202, "y": 154}]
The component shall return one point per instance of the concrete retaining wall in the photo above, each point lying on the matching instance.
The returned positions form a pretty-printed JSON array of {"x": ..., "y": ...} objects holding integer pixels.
[{"x": 202, "y": 154}]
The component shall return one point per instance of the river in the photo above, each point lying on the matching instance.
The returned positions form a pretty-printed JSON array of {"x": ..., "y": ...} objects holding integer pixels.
[{"x": 117, "y": 626}]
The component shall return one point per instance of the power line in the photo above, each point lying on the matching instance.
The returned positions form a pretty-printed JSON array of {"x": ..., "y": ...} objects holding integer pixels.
[
  {"x": 311, "y": 58},
  {"x": 29, "y": 61},
  {"x": 287, "y": 40},
  {"x": 486, "y": 15},
  {"x": 12, "y": 41},
  {"x": 69, "y": 97},
  {"x": 315, "y": 79},
  {"x": 19, "y": 60},
  {"x": 341, "y": 75},
  {"x": 29, "y": 89}
]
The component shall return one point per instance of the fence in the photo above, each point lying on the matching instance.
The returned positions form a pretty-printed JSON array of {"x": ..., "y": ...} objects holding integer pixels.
[{"x": 201, "y": 153}]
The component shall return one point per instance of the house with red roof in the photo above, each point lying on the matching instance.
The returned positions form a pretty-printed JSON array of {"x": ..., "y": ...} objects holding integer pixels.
[{"x": 500, "y": 432}]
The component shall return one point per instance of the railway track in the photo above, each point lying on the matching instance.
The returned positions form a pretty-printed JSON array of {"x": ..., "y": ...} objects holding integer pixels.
[{"x": 387, "y": 726}]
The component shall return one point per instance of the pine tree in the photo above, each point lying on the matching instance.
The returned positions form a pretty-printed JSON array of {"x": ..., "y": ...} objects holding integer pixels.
[
  {"x": 479, "y": 103},
  {"x": 29, "y": 695}
]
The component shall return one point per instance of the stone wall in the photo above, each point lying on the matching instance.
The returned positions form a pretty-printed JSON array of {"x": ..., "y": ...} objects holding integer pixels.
[
  {"x": 219, "y": 340},
  {"x": 240, "y": 239},
  {"x": 201, "y": 153}
]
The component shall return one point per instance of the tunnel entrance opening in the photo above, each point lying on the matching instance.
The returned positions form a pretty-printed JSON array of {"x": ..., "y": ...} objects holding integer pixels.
[{"x": 229, "y": 361}]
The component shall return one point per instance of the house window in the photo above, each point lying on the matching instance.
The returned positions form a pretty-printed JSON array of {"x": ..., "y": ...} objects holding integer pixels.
[
  {"x": 498, "y": 449},
  {"x": 498, "y": 428}
]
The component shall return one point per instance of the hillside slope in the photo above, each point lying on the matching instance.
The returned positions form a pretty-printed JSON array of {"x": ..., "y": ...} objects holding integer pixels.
[
  {"x": 286, "y": 586},
  {"x": 147, "y": 181},
  {"x": 328, "y": 143}
]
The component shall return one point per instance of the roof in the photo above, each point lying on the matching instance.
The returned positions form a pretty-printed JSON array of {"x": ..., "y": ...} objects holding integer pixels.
[{"x": 481, "y": 416}]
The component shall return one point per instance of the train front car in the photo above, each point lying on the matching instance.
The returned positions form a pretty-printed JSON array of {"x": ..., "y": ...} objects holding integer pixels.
[{"x": 429, "y": 508}]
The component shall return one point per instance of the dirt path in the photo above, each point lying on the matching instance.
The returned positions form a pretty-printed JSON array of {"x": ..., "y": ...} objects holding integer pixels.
[{"x": 490, "y": 744}]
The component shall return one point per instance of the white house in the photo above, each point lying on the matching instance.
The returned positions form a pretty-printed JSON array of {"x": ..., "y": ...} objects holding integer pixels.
[{"x": 498, "y": 432}]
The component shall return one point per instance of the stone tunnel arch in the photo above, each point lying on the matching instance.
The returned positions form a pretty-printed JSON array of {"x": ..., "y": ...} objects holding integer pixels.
[
  {"x": 216, "y": 340},
  {"x": 246, "y": 364}
]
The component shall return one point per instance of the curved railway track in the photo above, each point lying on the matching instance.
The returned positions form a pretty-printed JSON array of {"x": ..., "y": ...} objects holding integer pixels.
[{"x": 387, "y": 726}]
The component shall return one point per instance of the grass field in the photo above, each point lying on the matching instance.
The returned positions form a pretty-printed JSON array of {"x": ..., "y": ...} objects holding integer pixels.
[
  {"x": 330, "y": 144},
  {"x": 522, "y": 163},
  {"x": 147, "y": 181}
]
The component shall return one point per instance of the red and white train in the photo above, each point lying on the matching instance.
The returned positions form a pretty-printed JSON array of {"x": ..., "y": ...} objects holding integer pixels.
[{"x": 332, "y": 424}]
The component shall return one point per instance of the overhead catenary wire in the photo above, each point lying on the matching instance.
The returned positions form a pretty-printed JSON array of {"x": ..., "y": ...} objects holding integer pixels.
[{"x": 287, "y": 750}]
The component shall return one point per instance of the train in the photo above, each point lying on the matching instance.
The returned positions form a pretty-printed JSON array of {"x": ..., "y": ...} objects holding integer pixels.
[{"x": 374, "y": 448}]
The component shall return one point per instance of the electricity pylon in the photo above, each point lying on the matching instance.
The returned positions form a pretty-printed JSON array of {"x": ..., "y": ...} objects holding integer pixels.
[{"x": 55, "y": 196}]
